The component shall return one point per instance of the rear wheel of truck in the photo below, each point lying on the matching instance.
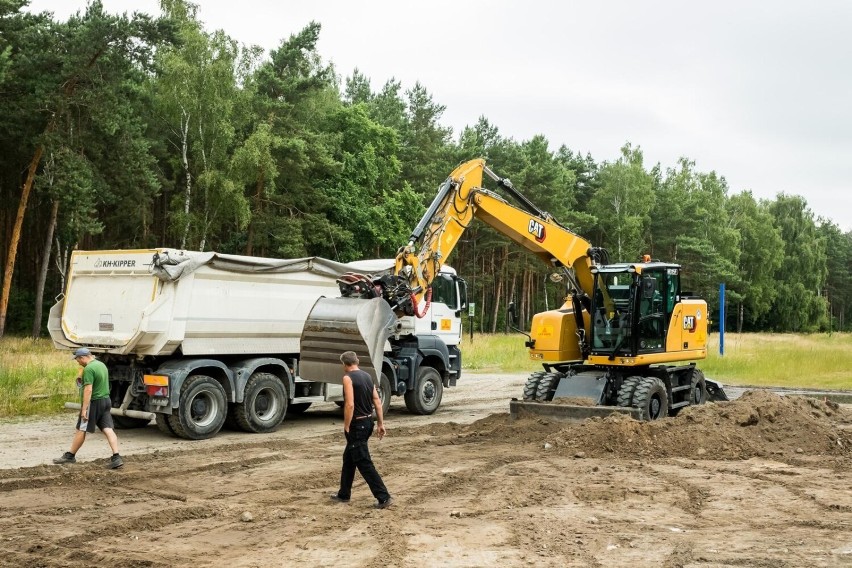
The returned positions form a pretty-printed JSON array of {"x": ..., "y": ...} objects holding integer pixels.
[
  {"x": 651, "y": 399},
  {"x": 425, "y": 398},
  {"x": 202, "y": 410},
  {"x": 164, "y": 425},
  {"x": 384, "y": 391},
  {"x": 264, "y": 404}
]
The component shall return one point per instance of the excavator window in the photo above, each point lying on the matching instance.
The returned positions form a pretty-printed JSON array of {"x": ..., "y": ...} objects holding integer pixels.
[{"x": 652, "y": 311}]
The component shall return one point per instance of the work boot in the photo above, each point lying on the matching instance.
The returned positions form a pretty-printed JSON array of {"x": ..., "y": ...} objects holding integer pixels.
[
  {"x": 67, "y": 457},
  {"x": 115, "y": 462},
  {"x": 338, "y": 499},
  {"x": 384, "y": 504}
]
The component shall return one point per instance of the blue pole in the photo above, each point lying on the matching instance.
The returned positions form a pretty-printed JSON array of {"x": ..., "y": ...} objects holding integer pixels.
[{"x": 722, "y": 318}]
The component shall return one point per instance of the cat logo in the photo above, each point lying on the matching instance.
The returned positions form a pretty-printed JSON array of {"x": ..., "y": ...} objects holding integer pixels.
[
  {"x": 537, "y": 230},
  {"x": 689, "y": 323}
]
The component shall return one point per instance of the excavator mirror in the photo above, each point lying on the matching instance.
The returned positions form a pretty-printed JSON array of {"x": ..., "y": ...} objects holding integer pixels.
[
  {"x": 513, "y": 314},
  {"x": 555, "y": 277},
  {"x": 649, "y": 286}
]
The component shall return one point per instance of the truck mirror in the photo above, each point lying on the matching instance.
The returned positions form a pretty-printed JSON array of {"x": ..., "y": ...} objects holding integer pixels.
[{"x": 649, "y": 286}]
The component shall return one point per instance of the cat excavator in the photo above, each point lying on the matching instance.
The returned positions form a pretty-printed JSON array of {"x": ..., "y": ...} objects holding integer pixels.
[{"x": 625, "y": 340}]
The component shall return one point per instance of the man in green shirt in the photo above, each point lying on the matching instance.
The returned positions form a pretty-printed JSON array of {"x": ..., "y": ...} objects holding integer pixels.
[{"x": 95, "y": 405}]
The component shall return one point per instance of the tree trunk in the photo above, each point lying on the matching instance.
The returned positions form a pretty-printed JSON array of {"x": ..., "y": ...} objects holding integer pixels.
[
  {"x": 258, "y": 195},
  {"x": 188, "y": 198},
  {"x": 740, "y": 313},
  {"x": 16, "y": 237},
  {"x": 42, "y": 273}
]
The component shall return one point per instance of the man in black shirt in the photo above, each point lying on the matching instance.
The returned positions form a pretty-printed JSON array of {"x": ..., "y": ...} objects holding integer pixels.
[{"x": 359, "y": 399}]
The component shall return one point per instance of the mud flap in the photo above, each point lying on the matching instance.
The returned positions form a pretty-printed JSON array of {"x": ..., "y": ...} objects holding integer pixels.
[
  {"x": 715, "y": 392},
  {"x": 336, "y": 325}
]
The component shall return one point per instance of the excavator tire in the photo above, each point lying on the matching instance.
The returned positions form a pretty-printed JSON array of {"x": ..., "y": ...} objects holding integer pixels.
[
  {"x": 698, "y": 388},
  {"x": 547, "y": 386},
  {"x": 651, "y": 398},
  {"x": 531, "y": 386},
  {"x": 625, "y": 393}
]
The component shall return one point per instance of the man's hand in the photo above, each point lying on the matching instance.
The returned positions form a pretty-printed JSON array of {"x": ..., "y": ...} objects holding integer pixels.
[{"x": 381, "y": 430}]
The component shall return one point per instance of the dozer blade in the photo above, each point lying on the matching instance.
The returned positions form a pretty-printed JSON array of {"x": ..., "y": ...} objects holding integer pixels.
[
  {"x": 572, "y": 412},
  {"x": 336, "y": 325}
]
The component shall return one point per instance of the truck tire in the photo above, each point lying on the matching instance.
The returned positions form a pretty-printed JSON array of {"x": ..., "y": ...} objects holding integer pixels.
[
  {"x": 625, "y": 393},
  {"x": 128, "y": 423},
  {"x": 202, "y": 410},
  {"x": 425, "y": 397},
  {"x": 385, "y": 393},
  {"x": 531, "y": 386},
  {"x": 164, "y": 426},
  {"x": 264, "y": 404},
  {"x": 651, "y": 398},
  {"x": 547, "y": 386}
]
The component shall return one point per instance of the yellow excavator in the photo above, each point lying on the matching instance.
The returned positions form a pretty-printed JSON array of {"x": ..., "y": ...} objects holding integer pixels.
[{"x": 626, "y": 338}]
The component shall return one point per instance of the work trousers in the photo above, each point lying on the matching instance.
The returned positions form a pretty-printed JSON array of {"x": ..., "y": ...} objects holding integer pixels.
[{"x": 357, "y": 456}]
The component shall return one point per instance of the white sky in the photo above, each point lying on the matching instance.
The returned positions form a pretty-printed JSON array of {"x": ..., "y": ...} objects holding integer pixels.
[{"x": 760, "y": 92}]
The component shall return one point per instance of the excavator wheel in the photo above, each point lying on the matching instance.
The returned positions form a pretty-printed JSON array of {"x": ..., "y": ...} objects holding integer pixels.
[
  {"x": 651, "y": 398},
  {"x": 547, "y": 386},
  {"x": 698, "y": 388},
  {"x": 531, "y": 386},
  {"x": 625, "y": 393}
]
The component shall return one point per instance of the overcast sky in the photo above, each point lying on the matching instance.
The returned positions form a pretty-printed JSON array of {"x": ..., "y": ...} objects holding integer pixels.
[{"x": 760, "y": 92}]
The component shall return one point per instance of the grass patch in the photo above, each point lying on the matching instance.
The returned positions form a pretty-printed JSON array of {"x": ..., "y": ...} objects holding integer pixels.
[
  {"x": 751, "y": 359},
  {"x": 782, "y": 360},
  {"x": 35, "y": 378}
]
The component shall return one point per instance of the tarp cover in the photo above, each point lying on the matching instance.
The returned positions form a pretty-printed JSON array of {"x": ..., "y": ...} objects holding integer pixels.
[{"x": 172, "y": 265}]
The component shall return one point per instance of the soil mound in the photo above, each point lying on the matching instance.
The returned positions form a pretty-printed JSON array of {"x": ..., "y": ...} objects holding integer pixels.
[{"x": 759, "y": 423}]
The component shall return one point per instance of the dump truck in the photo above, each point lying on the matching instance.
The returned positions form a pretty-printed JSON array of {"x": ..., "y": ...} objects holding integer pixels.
[
  {"x": 197, "y": 340},
  {"x": 627, "y": 336}
]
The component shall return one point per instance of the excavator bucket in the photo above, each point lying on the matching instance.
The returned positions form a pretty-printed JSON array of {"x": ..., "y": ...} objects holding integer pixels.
[{"x": 336, "y": 325}]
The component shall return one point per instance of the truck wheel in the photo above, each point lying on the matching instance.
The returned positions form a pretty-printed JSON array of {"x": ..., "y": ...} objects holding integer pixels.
[
  {"x": 651, "y": 399},
  {"x": 425, "y": 398},
  {"x": 384, "y": 391},
  {"x": 531, "y": 386},
  {"x": 298, "y": 408},
  {"x": 202, "y": 410},
  {"x": 164, "y": 425},
  {"x": 264, "y": 404},
  {"x": 625, "y": 393},
  {"x": 547, "y": 386},
  {"x": 128, "y": 423}
]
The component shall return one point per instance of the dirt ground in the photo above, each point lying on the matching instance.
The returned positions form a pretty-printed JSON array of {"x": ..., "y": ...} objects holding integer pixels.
[{"x": 761, "y": 481}]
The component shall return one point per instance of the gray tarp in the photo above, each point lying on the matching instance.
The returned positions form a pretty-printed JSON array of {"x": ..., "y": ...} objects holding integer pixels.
[{"x": 171, "y": 265}]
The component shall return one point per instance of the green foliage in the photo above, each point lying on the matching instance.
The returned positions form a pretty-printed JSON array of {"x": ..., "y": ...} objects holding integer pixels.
[{"x": 158, "y": 132}]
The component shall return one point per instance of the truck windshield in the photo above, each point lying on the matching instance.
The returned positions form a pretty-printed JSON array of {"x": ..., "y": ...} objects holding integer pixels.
[{"x": 611, "y": 325}]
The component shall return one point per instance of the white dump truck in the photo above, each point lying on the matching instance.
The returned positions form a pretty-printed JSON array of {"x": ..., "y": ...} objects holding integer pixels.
[{"x": 195, "y": 340}]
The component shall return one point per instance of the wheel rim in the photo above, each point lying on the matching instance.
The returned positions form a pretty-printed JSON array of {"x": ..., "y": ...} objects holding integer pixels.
[
  {"x": 429, "y": 392},
  {"x": 265, "y": 404},
  {"x": 204, "y": 409},
  {"x": 654, "y": 408}
]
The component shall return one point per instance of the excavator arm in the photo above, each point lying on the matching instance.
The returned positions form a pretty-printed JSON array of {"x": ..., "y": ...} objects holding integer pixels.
[{"x": 460, "y": 200}]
